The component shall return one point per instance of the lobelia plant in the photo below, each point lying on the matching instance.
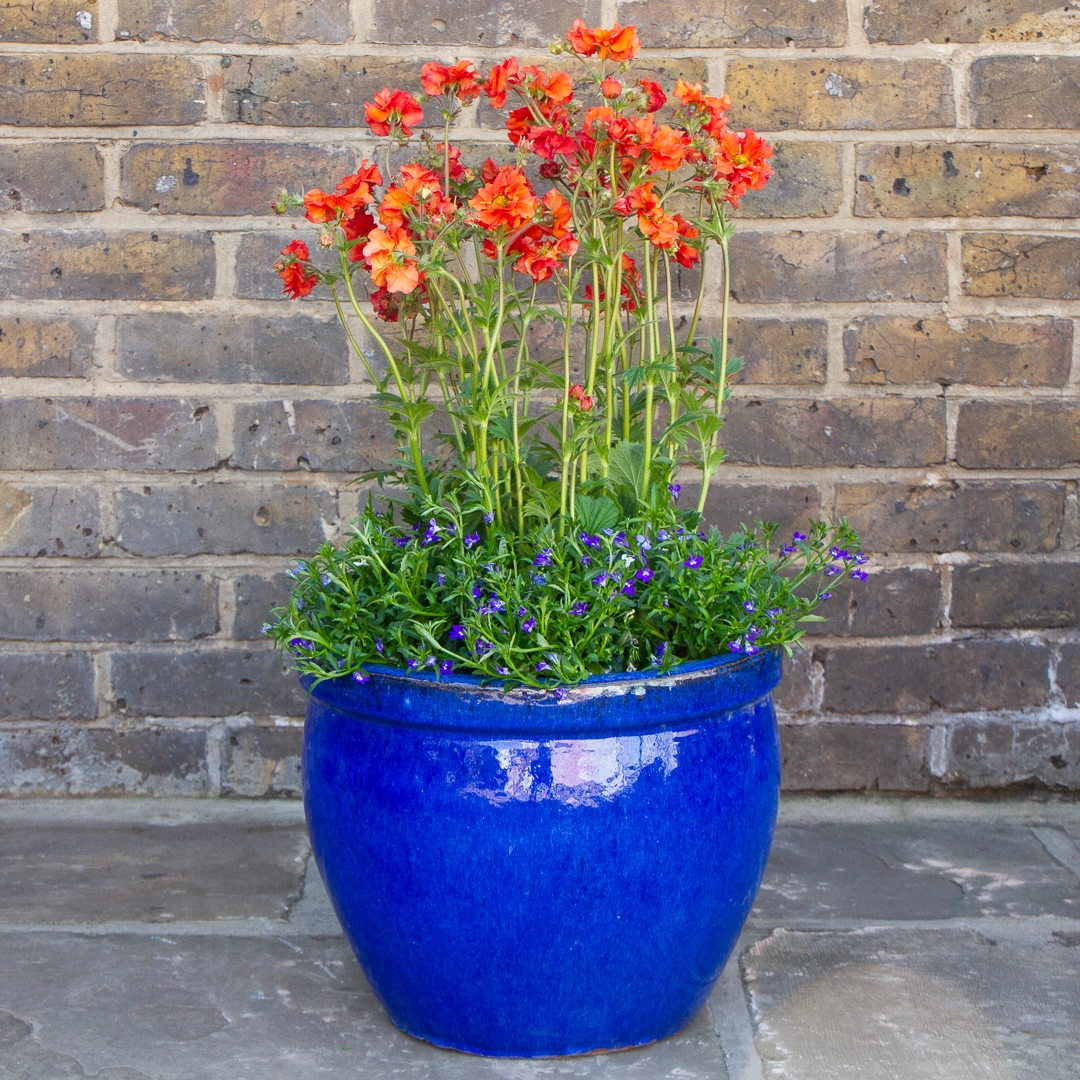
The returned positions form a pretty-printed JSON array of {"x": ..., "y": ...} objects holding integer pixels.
[{"x": 536, "y": 537}]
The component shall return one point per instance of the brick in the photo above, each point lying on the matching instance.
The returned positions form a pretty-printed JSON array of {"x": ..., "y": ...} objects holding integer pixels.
[
  {"x": 61, "y": 760},
  {"x": 107, "y": 433},
  {"x": 774, "y": 351},
  {"x": 160, "y": 682},
  {"x": 260, "y": 761},
  {"x": 908, "y": 22},
  {"x": 898, "y": 432},
  {"x": 967, "y": 180},
  {"x": 898, "y": 349},
  {"x": 853, "y": 757},
  {"x": 48, "y": 22},
  {"x": 730, "y": 506},
  {"x": 313, "y": 91},
  {"x": 325, "y": 436},
  {"x": 46, "y": 686},
  {"x": 1021, "y": 595},
  {"x": 958, "y": 676},
  {"x": 803, "y": 266},
  {"x": 264, "y": 21},
  {"x": 49, "y": 521},
  {"x": 955, "y": 516},
  {"x": 109, "y": 605},
  {"x": 224, "y": 519},
  {"x": 986, "y": 753},
  {"x": 1068, "y": 674},
  {"x": 1018, "y": 434},
  {"x": 50, "y": 90},
  {"x": 56, "y": 264},
  {"x": 905, "y": 600},
  {"x": 1015, "y": 264},
  {"x": 482, "y": 22},
  {"x": 838, "y": 94},
  {"x": 256, "y": 595},
  {"x": 805, "y": 182},
  {"x": 46, "y": 346},
  {"x": 1025, "y": 92},
  {"x": 171, "y": 347},
  {"x": 51, "y": 177},
  {"x": 226, "y": 178},
  {"x": 796, "y": 690},
  {"x": 766, "y": 24}
]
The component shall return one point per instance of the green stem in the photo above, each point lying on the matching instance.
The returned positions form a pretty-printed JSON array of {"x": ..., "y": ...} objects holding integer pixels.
[{"x": 708, "y": 468}]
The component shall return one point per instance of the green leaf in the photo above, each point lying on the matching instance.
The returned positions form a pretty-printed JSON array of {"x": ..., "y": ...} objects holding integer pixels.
[
  {"x": 595, "y": 513},
  {"x": 626, "y": 466}
]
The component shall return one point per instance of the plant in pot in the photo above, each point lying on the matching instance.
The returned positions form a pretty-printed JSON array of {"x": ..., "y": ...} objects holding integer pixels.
[{"x": 541, "y": 764}]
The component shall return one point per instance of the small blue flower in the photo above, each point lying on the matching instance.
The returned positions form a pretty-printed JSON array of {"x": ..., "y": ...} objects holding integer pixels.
[
  {"x": 446, "y": 667},
  {"x": 441, "y": 580},
  {"x": 379, "y": 644},
  {"x": 787, "y": 549},
  {"x": 361, "y": 677},
  {"x": 543, "y": 666},
  {"x": 586, "y": 561},
  {"x": 826, "y": 596},
  {"x": 529, "y": 625},
  {"x": 401, "y": 541},
  {"x": 750, "y": 649},
  {"x": 579, "y": 608},
  {"x": 645, "y": 575},
  {"x": 675, "y": 489},
  {"x": 753, "y": 634},
  {"x": 832, "y": 570},
  {"x": 483, "y": 646},
  {"x": 862, "y": 559},
  {"x": 663, "y": 535},
  {"x": 544, "y": 558},
  {"x": 620, "y": 540},
  {"x": 798, "y": 537},
  {"x": 489, "y": 517},
  {"x": 858, "y": 575},
  {"x": 496, "y": 604},
  {"x": 457, "y": 632},
  {"x": 539, "y": 579},
  {"x": 325, "y": 579},
  {"x": 773, "y": 612},
  {"x": 749, "y": 606},
  {"x": 502, "y": 670},
  {"x": 477, "y": 591},
  {"x": 661, "y": 652},
  {"x": 609, "y": 532},
  {"x": 472, "y": 540},
  {"x": 643, "y": 542},
  {"x": 429, "y": 662},
  {"x": 266, "y": 628},
  {"x": 589, "y": 541},
  {"x": 412, "y": 664},
  {"x": 301, "y": 643},
  {"x": 735, "y": 646},
  {"x": 693, "y": 562},
  {"x": 298, "y": 603},
  {"x": 600, "y": 580},
  {"x": 628, "y": 589}
]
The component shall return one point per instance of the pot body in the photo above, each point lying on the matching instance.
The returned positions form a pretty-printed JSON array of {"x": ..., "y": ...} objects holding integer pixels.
[{"x": 532, "y": 875}]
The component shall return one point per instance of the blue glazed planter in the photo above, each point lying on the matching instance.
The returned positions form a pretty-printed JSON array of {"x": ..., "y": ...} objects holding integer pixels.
[{"x": 526, "y": 876}]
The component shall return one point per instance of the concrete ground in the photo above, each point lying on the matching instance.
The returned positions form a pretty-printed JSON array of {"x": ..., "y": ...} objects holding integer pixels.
[{"x": 892, "y": 939}]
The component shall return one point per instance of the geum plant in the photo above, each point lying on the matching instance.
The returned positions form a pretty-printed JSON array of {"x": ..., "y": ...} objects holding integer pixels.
[{"x": 537, "y": 539}]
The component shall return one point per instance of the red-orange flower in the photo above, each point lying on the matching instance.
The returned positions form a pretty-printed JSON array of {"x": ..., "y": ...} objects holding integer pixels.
[
  {"x": 577, "y": 393},
  {"x": 507, "y": 202},
  {"x": 741, "y": 161},
  {"x": 460, "y": 80},
  {"x": 500, "y": 77},
  {"x": 320, "y": 206},
  {"x": 393, "y": 109},
  {"x": 560, "y": 212},
  {"x": 387, "y": 306},
  {"x": 390, "y": 252},
  {"x": 655, "y": 98},
  {"x": 358, "y": 185},
  {"x": 667, "y": 149},
  {"x": 295, "y": 283},
  {"x": 358, "y": 223},
  {"x": 418, "y": 186},
  {"x": 555, "y": 88},
  {"x": 618, "y": 43},
  {"x": 610, "y": 88}
]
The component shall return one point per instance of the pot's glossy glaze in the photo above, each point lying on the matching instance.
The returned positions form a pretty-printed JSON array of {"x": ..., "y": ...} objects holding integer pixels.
[{"x": 525, "y": 875}]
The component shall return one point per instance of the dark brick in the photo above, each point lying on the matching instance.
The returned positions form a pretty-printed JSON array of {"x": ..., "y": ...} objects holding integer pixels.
[
  {"x": 255, "y": 597},
  {"x": 955, "y": 516},
  {"x": 1025, "y": 91},
  {"x": 220, "y": 683},
  {"x": 46, "y": 686},
  {"x": 766, "y": 24},
  {"x": 483, "y": 22},
  {"x": 805, "y": 182},
  {"x": 984, "y": 753},
  {"x": 1018, "y": 434},
  {"x": 53, "y": 521},
  {"x": 267, "y": 21},
  {"x": 908, "y": 22},
  {"x": 51, "y": 177},
  {"x": 107, "y": 605},
  {"x": 1068, "y": 674},
  {"x": 854, "y": 757},
  {"x": 796, "y": 690},
  {"x": 224, "y": 519},
  {"x": 774, "y": 351},
  {"x": 226, "y": 178},
  {"x": 171, "y": 347},
  {"x": 325, "y": 436},
  {"x": 1016, "y": 264},
  {"x": 906, "y": 600},
  {"x": 729, "y": 506},
  {"x": 894, "y": 349},
  {"x": 107, "y": 433},
  {"x": 896, "y": 432},
  {"x": 48, "y": 22},
  {"x": 51, "y": 90},
  {"x": 802, "y": 266},
  {"x": 262, "y": 761},
  {"x": 958, "y": 675},
  {"x": 55, "y": 264},
  {"x": 1023, "y": 595},
  {"x": 255, "y": 277},
  {"x": 46, "y": 346}
]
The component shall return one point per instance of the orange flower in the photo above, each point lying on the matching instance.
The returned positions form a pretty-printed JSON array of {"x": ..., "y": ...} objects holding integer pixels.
[
  {"x": 667, "y": 149},
  {"x": 418, "y": 185},
  {"x": 321, "y": 207},
  {"x": 643, "y": 199},
  {"x": 662, "y": 230},
  {"x": 393, "y": 110},
  {"x": 295, "y": 283},
  {"x": 507, "y": 202},
  {"x": 610, "y": 88},
  {"x": 655, "y": 98},
  {"x": 392, "y": 267},
  {"x": 460, "y": 80},
  {"x": 577, "y": 393},
  {"x": 685, "y": 254},
  {"x": 560, "y": 213},
  {"x": 619, "y": 43},
  {"x": 499, "y": 78},
  {"x": 741, "y": 161},
  {"x": 358, "y": 223},
  {"x": 554, "y": 89},
  {"x": 359, "y": 184}
]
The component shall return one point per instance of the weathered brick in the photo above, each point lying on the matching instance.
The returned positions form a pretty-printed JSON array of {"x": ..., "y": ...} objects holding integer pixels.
[
  {"x": 484, "y": 22},
  {"x": 894, "y": 349},
  {"x": 1018, "y": 434},
  {"x": 57, "y": 264},
  {"x": 803, "y": 266},
  {"x": 106, "y": 433},
  {"x": 51, "y": 90},
  {"x": 767, "y": 24},
  {"x": 53, "y": 521},
  {"x": 906, "y": 600},
  {"x": 262, "y": 761},
  {"x": 955, "y": 516},
  {"x": 907, "y": 22},
  {"x": 226, "y": 177},
  {"x": 775, "y": 351},
  {"x": 107, "y": 605},
  {"x": 796, "y": 690},
  {"x": 47, "y": 346},
  {"x": 1025, "y": 91},
  {"x": 224, "y": 519},
  {"x": 48, "y": 22},
  {"x": 897, "y": 432},
  {"x": 51, "y": 177},
  {"x": 1025, "y": 595},
  {"x": 325, "y": 436},
  {"x": 805, "y": 182},
  {"x": 171, "y": 347},
  {"x": 256, "y": 595},
  {"x": 837, "y": 94},
  {"x": 160, "y": 682},
  {"x": 264, "y": 21},
  {"x": 1068, "y": 674},
  {"x": 314, "y": 91},
  {"x": 1016, "y": 264},
  {"x": 255, "y": 276},
  {"x": 986, "y": 753},
  {"x": 47, "y": 686},
  {"x": 854, "y": 757},
  {"x": 957, "y": 675},
  {"x": 730, "y": 506},
  {"x": 967, "y": 180}
]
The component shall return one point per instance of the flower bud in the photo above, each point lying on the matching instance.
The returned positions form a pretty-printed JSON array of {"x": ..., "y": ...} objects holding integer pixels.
[{"x": 611, "y": 88}]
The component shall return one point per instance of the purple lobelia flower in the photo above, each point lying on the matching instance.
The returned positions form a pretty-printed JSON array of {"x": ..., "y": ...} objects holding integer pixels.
[
  {"x": 361, "y": 677},
  {"x": 832, "y": 570},
  {"x": 472, "y": 540},
  {"x": 457, "y": 632},
  {"x": 543, "y": 558},
  {"x": 446, "y": 667},
  {"x": 663, "y": 535},
  {"x": 826, "y": 596},
  {"x": 858, "y": 575},
  {"x": 645, "y": 575},
  {"x": 675, "y": 489},
  {"x": 543, "y": 666},
  {"x": 589, "y": 541},
  {"x": 539, "y": 579},
  {"x": 580, "y": 608},
  {"x": 797, "y": 537},
  {"x": 749, "y": 606},
  {"x": 693, "y": 562},
  {"x": 489, "y": 517},
  {"x": 529, "y": 625},
  {"x": 483, "y": 646},
  {"x": 378, "y": 644},
  {"x": 301, "y": 643}
]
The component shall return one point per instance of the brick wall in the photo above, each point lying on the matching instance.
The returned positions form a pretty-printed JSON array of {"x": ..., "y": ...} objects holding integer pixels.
[{"x": 173, "y": 434}]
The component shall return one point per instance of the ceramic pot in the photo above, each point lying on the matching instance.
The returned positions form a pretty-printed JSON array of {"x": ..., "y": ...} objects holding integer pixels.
[{"x": 536, "y": 874}]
